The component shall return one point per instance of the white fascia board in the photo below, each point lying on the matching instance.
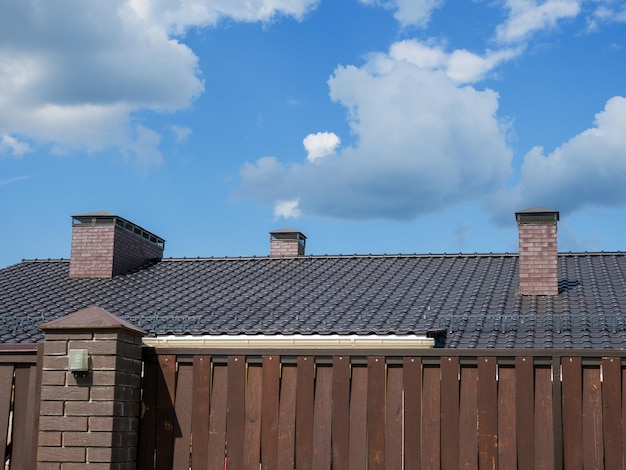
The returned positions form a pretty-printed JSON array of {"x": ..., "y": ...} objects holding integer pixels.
[{"x": 292, "y": 341}]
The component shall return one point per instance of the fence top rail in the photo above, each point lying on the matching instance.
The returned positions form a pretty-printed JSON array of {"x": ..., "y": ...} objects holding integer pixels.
[
  {"x": 18, "y": 347},
  {"x": 18, "y": 353},
  {"x": 545, "y": 354}
]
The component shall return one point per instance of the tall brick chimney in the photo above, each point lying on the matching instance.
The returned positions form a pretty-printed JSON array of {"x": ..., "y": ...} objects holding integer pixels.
[
  {"x": 105, "y": 245},
  {"x": 538, "y": 262},
  {"x": 287, "y": 242}
]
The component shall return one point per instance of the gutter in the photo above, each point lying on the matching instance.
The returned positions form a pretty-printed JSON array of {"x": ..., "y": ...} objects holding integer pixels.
[{"x": 293, "y": 341}]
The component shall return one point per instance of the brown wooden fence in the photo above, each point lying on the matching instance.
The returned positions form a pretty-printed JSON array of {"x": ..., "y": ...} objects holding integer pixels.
[
  {"x": 412, "y": 409},
  {"x": 369, "y": 409},
  {"x": 20, "y": 385}
]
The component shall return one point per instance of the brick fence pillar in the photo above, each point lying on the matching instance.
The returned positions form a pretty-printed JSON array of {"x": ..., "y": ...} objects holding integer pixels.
[{"x": 92, "y": 419}]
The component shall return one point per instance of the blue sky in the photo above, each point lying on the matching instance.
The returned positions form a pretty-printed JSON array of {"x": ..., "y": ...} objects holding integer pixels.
[{"x": 372, "y": 126}]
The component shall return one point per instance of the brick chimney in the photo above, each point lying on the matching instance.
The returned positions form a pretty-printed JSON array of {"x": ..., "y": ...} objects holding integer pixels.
[
  {"x": 287, "y": 242},
  {"x": 105, "y": 245},
  {"x": 538, "y": 265}
]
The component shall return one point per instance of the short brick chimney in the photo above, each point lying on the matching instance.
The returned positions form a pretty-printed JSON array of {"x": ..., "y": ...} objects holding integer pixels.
[
  {"x": 287, "y": 242},
  {"x": 538, "y": 261},
  {"x": 105, "y": 245}
]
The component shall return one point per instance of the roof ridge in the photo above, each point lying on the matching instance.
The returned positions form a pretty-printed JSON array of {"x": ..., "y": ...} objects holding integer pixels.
[
  {"x": 384, "y": 255},
  {"x": 46, "y": 260},
  {"x": 354, "y": 255}
]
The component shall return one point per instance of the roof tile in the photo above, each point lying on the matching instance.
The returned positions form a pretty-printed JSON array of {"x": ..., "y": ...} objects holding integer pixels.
[{"x": 473, "y": 297}]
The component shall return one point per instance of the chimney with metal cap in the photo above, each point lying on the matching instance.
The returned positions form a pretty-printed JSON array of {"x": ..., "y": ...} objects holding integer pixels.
[
  {"x": 538, "y": 261},
  {"x": 105, "y": 245},
  {"x": 287, "y": 242}
]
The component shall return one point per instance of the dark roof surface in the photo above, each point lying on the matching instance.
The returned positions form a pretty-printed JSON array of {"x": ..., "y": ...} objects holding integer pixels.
[{"x": 472, "y": 297}]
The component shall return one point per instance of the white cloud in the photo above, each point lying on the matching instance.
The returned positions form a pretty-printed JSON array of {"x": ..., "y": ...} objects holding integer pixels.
[
  {"x": 320, "y": 145},
  {"x": 409, "y": 12},
  {"x": 422, "y": 143},
  {"x": 181, "y": 134},
  {"x": 146, "y": 148},
  {"x": 9, "y": 144},
  {"x": 460, "y": 65},
  {"x": 73, "y": 74},
  {"x": 606, "y": 11},
  {"x": 529, "y": 16},
  {"x": 178, "y": 15},
  {"x": 587, "y": 170},
  {"x": 287, "y": 209}
]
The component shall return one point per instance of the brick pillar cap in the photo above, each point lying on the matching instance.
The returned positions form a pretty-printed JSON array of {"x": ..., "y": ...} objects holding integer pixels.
[{"x": 92, "y": 318}]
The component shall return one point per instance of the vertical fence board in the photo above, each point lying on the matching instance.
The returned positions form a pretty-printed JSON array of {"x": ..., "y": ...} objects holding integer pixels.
[
  {"x": 358, "y": 419},
  {"x": 217, "y": 417},
  {"x": 524, "y": 411},
  {"x": 341, "y": 412},
  {"x": 269, "y": 412},
  {"x": 26, "y": 414},
  {"x": 507, "y": 451},
  {"x": 450, "y": 412},
  {"x": 571, "y": 397},
  {"x": 376, "y": 413},
  {"x": 557, "y": 413},
  {"x": 200, "y": 412},
  {"x": 612, "y": 411},
  {"x": 487, "y": 416},
  {"x": 468, "y": 418},
  {"x": 623, "y": 414},
  {"x": 183, "y": 407},
  {"x": 322, "y": 415},
  {"x": 431, "y": 418},
  {"x": 412, "y": 413},
  {"x": 253, "y": 405},
  {"x": 304, "y": 412},
  {"x": 22, "y": 422},
  {"x": 6, "y": 384},
  {"x": 148, "y": 418},
  {"x": 593, "y": 455},
  {"x": 166, "y": 416},
  {"x": 393, "y": 419},
  {"x": 235, "y": 412},
  {"x": 287, "y": 418},
  {"x": 544, "y": 436}
]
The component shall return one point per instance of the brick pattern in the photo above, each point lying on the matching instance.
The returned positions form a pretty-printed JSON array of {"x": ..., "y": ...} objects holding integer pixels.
[
  {"x": 92, "y": 251},
  {"x": 538, "y": 261},
  {"x": 132, "y": 251},
  {"x": 285, "y": 248},
  {"x": 90, "y": 420},
  {"x": 104, "y": 251}
]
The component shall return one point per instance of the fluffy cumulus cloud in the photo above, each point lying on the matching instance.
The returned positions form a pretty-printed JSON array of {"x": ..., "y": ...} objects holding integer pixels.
[
  {"x": 320, "y": 145},
  {"x": 588, "y": 169},
  {"x": 73, "y": 73},
  {"x": 287, "y": 209},
  {"x": 422, "y": 142},
  {"x": 178, "y": 15},
  {"x": 409, "y": 12},
  {"x": 462, "y": 66}
]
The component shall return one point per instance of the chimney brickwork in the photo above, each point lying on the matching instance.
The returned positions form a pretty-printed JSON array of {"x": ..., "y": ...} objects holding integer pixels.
[
  {"x": 287, "y": 243},
  {"x": 538, "y": 259},
  {"x": 104, "y": 245}
]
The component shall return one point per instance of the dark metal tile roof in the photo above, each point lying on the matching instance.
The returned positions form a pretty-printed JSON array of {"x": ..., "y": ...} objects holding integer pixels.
[{"x": 473, "y": 298}]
